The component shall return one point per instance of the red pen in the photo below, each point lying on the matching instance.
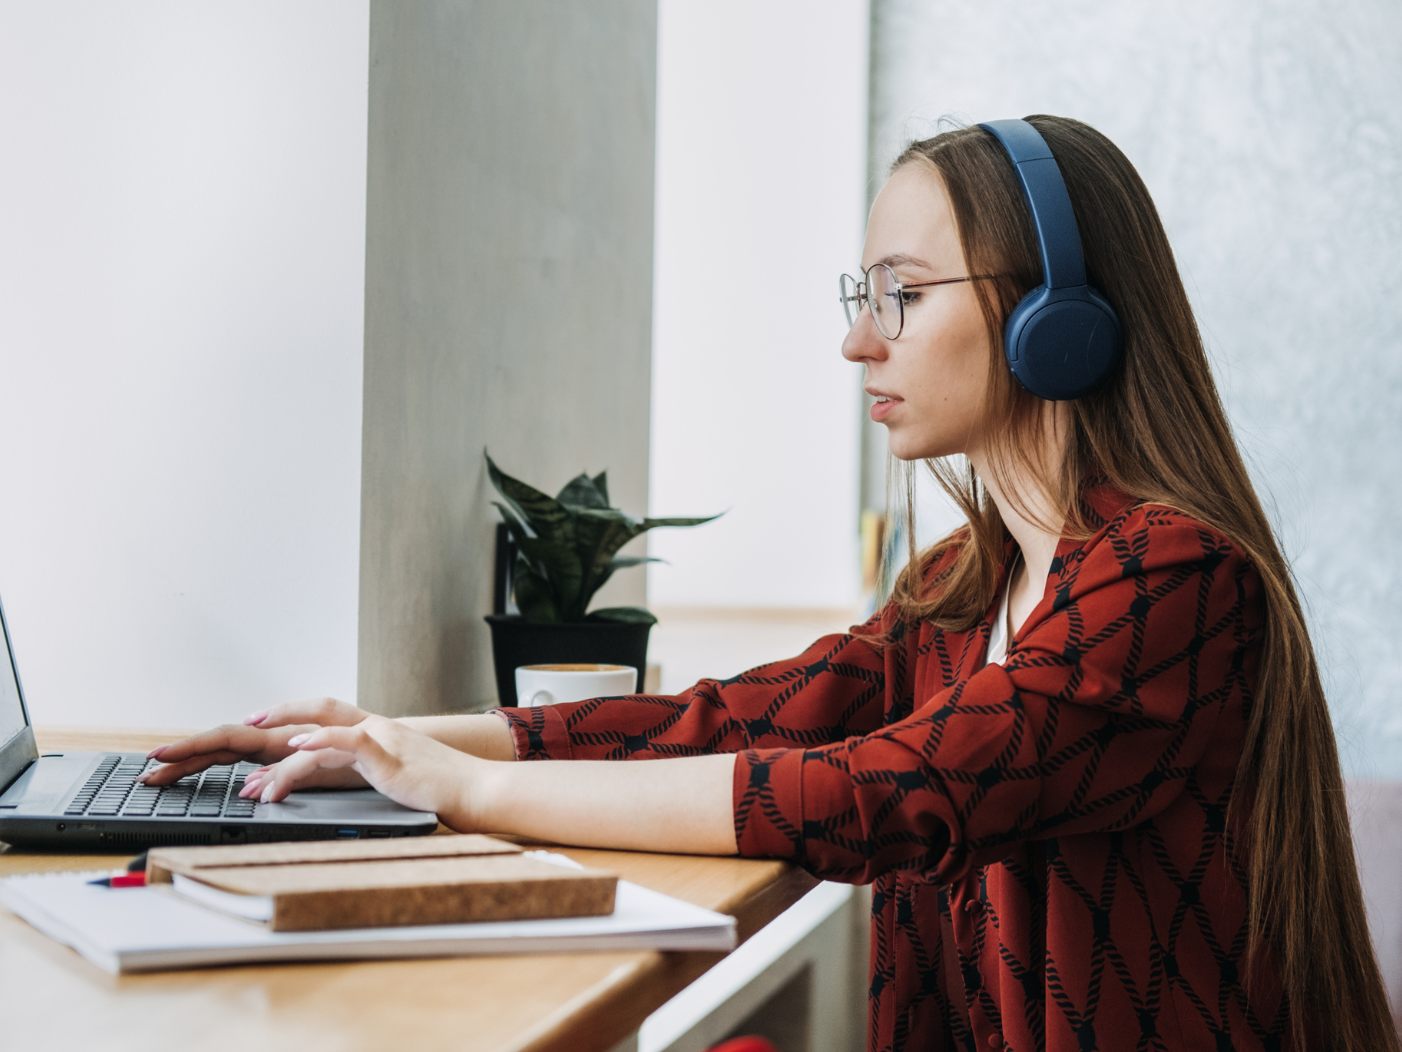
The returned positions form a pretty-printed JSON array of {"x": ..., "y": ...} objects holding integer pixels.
[
  {"x": 134, "y": 877},
  {"x": 121, "y": 880}
]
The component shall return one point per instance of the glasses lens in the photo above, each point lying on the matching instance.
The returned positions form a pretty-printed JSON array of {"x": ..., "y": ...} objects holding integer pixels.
[
  {"x": 884, "y": 295},
  {"x": 848, "y": 286}
]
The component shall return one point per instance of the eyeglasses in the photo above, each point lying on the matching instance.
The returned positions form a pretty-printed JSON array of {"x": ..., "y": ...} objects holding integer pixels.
[{"x": 885, "y": 295}]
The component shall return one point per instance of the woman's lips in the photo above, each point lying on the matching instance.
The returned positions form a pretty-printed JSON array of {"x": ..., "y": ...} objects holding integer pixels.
[{"x": 881, "y": 410}]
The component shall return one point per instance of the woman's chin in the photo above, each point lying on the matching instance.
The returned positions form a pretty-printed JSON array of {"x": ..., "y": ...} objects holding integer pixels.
[{"x": 903, "y": 449}]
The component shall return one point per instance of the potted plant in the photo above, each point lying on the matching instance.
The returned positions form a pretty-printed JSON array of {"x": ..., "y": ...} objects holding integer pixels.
[{"x": 560, "y": 552}]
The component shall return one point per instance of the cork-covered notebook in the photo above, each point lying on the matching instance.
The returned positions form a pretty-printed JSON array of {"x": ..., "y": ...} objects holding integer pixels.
[{"x": 320, "y": 885}]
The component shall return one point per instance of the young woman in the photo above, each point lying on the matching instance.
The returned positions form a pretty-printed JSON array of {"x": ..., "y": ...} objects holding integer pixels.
[{"x": 1083, "y": 753}]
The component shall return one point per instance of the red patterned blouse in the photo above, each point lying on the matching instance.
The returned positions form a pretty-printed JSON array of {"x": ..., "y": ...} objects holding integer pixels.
[{"x": 1045, "y": 835}]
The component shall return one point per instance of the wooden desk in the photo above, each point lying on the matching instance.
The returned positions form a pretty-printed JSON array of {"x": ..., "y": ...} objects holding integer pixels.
[{"x": 53, "y": 999}]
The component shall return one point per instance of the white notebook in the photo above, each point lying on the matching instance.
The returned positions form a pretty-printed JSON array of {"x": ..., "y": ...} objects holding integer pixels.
[{"x": 153, "y": 928}]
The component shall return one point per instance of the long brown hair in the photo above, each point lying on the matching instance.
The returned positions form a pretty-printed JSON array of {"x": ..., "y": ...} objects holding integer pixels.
[{"x": 1158, "y": 432}]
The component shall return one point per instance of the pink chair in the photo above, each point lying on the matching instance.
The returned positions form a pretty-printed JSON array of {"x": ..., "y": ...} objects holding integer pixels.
[{"x": 745, "y": 1044}]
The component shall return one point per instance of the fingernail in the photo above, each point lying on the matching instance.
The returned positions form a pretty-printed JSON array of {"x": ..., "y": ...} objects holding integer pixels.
[
  {"x": 267, "y": 794},
  {"x": 257, "y": 717},
  {"x": 297, "y": 739},
  {"x": 152, "y": 754}
]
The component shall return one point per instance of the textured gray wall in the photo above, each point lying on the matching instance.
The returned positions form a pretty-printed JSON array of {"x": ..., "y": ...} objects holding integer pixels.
[
  {"x": 1269, "y": 136},
  {"x": 508, "y": 305}
]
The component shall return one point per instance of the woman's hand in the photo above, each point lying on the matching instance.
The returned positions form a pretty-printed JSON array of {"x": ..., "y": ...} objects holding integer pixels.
[
  {"x": 407, "y": 766},
  {"x": 262, "y": 738}
]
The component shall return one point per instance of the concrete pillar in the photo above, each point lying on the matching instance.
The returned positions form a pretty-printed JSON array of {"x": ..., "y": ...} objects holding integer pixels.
[{"x": 508, "y": 305}]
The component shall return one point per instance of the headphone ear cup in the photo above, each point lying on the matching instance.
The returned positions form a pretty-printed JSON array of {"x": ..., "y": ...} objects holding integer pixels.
[{"x": 1062, "y": 343}]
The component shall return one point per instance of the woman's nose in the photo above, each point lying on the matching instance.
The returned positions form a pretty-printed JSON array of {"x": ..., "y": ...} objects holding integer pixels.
[{"x": 863, "y": 341}]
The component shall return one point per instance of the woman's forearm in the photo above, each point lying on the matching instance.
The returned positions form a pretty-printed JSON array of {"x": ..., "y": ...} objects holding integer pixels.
[
  {"x": 480, "y": 734},
  {"x": 677, "y": 806}
]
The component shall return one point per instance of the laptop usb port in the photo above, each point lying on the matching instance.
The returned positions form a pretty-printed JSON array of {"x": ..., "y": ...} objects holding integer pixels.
[{"x": 348, "y": 834}]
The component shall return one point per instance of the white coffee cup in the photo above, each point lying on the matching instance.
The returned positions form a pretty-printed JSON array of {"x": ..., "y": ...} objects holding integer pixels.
[{"x": 552, "y": 684}]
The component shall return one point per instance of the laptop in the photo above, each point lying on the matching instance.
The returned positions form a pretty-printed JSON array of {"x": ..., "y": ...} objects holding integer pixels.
[{"x": 93, "y": 801}]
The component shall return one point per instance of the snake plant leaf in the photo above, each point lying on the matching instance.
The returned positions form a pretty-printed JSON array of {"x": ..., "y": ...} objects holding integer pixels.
[
  {"x": 618, "y": 530},
  {"x": 623, "y": 561},
  {"x": 601, "y": 534},
  {"x": 547, "y": 516},
  {"x": 566, "y": 546},
  {"x": 648, "y": 524},
  {"x": 533, "y": 597},
  {"x": 619, "y": 563},
  {"x": 606, "y": 515},
  {"x": 633, "y": 615},
  {"x": 559, "y": 565},
  {"x": 554, "y": 562},
  {"x": 513, "y": 521},
  {"x": 582, "y": 492},
  {"x": 514, "y": 525}
]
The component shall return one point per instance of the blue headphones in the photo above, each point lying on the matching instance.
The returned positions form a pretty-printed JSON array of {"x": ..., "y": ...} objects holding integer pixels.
[{"x": 1063, "y": 338}]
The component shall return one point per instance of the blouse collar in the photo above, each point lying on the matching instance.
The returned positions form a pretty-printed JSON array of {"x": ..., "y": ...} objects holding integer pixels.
[{"x": 1101, "y": 502}]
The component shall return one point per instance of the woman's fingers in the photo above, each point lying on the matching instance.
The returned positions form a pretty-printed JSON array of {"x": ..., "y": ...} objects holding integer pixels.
[
  {"x": 324, "y": 712},
  {"x": 231, "y": 737},
  {"x": 359, "y": 740},
  {"x": 298, "y": 771},
  {"x": 407, "y": 766},
  {"x": 356, "y": 746},
  {"x": 227, "y": 744},
  {"x": 320, "y": 767},
  {"x": 262, "y": 737},
  {"x": 173, "y": 772}
]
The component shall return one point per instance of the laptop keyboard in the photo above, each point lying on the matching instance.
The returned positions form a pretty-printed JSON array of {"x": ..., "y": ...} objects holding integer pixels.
[{"x": 113, "y": 789}]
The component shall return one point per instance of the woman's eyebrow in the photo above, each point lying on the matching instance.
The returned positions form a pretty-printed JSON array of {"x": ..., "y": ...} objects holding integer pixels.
[{"x": 897, "y": 258}]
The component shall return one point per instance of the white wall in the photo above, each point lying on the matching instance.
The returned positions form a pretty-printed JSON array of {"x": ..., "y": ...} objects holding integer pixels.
[
  {"x": 181, "y": 289},
  {"x": 761, "y": 203},
  {"x": 1269, "y": 138}
]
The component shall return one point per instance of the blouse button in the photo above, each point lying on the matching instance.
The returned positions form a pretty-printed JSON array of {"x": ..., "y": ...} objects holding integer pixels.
[
  {"x": 973, "y": 906},
  {"x": 995, "y": 1041}
]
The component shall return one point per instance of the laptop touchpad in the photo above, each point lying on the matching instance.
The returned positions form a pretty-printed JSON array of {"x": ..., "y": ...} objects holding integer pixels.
[{"x": 47, "y": 782}]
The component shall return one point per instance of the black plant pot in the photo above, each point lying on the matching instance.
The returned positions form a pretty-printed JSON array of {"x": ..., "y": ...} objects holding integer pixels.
[{"x": 518, "y": 642}]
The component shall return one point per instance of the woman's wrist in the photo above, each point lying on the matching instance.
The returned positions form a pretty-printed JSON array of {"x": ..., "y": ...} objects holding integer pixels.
[
  {"x": 483, "y": 792},
  {"x": 480, "y": 734}
]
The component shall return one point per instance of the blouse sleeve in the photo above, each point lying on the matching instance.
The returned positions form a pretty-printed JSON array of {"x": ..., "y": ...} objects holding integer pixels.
[
  {"x": 831, "y": 690},
  {"x": 1093, "y": 722}
]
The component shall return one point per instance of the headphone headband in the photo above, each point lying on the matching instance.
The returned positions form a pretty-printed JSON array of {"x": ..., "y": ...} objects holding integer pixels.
[{"x": 1058, "y": 237}]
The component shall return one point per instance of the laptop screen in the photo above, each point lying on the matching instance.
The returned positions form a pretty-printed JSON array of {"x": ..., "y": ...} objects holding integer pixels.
[{"x": 12, "y": 718}]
